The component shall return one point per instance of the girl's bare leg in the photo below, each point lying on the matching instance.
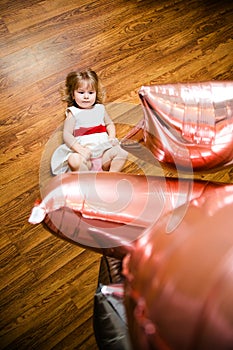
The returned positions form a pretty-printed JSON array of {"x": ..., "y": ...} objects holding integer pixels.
[
  {"x": 78, "y": 163},
  {"x": 114, "y": 159}
]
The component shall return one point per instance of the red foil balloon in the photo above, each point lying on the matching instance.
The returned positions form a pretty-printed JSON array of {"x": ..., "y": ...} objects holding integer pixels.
[
  {"x": 107, "y": 212},
  {"x": 179, "y": 286},
  {"x": 189, "y": 126}
]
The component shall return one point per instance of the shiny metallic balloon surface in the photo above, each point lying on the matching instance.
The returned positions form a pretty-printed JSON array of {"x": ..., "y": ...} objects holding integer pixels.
[
  {"x": 107, "y": 212},
  {"x": 179, "y": 286},
  {"x": 189, "y": 126}
]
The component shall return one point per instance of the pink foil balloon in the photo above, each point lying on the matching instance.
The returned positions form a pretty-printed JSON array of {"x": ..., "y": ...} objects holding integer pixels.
[
  {"x": 189, "y": 126},
  {"x": 107, "y": 212},
  {"x": 179, "y": 286}
]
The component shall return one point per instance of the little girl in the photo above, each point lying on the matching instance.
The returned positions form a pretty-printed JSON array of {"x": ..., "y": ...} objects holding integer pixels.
[{"x": 89, "y": 134}]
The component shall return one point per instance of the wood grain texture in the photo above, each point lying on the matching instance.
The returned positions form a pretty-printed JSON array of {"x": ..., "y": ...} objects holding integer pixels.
[{"x": 47, "y": 285}]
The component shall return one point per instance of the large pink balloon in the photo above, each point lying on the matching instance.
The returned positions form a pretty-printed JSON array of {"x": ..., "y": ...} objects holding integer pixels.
[
  {"x": 189, "y": 126},
  {"x": 107, "y": 212},
  {"x": 179, "y": 286}
]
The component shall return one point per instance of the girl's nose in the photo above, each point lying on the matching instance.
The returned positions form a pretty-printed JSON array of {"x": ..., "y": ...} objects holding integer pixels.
[{"x": 86, "y": 95}]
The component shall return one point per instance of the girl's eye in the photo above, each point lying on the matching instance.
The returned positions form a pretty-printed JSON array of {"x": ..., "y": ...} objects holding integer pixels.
[{"x": 89, "y": 92}]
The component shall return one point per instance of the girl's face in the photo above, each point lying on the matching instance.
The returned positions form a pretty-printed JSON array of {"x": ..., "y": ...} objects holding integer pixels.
[{"x": 85, "y": 95}]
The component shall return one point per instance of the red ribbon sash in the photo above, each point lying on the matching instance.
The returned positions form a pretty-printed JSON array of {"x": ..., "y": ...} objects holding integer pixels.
[{"x": 88, "y": 131}]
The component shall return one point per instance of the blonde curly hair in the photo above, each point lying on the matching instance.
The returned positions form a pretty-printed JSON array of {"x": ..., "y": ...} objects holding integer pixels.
[{"x": 76, "y": 79}]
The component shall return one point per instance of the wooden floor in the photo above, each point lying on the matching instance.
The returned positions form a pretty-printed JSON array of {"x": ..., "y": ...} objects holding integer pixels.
[{"x": 47, "y": 285}]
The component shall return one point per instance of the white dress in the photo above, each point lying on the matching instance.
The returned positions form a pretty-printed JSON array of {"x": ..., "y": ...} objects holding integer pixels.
[{"x": 97, "y": 142}]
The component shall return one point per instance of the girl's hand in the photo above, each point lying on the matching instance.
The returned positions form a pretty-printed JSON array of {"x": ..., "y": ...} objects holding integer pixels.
[
  {"x": 113, "y": 140},
  {"x": 85, "y": 152}
]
